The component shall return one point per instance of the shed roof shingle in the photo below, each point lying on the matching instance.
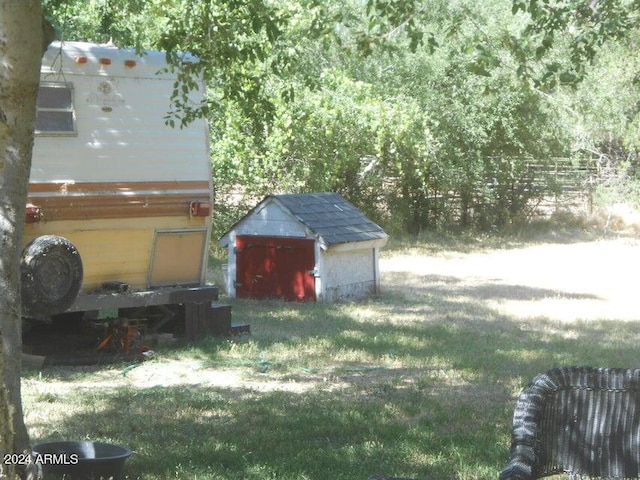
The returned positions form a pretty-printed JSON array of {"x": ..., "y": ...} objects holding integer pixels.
[{"x": 330, "y": 216}]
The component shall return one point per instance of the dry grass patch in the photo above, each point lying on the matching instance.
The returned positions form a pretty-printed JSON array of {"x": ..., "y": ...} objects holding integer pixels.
[{"x": 419, "y": 382}]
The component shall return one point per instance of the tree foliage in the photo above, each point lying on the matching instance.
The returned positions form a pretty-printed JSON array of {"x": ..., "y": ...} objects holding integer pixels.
[
  {"x": 578, "y": 27},
  {"x": 423, "y": 113},
  {"x": 417, "y": 139}
]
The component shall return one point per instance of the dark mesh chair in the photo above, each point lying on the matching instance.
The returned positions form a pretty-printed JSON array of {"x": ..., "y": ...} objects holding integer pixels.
[{"x": 581, "y": 421}]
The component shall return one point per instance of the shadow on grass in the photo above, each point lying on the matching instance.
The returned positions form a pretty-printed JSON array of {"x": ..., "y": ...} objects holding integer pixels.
[
  {"x": 206, "y": 433},
  {"x": 445, "y": 412},
  {"x": 451, "y": 324},
  {"x": 439, "y": 406}
]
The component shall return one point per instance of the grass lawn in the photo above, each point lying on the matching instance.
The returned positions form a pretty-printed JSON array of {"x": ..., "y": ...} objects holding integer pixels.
[{"x": 420, "y": 382}]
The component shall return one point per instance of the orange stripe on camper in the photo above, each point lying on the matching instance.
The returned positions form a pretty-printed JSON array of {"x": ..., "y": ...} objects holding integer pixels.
[{"x": 91, "y": 200}]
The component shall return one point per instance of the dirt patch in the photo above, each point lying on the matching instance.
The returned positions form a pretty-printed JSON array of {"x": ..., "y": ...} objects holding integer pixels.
[
  {"x": 170, "y": 373},
  {"x": 580, "y": 281},
  {"x": 563, "y": 282}
]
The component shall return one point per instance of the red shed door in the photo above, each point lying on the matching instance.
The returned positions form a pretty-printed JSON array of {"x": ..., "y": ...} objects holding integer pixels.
[{"x": 275, "y": 267}]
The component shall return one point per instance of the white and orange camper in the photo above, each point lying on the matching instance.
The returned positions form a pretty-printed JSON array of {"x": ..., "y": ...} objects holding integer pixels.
[{"x": 119, "y": 211}]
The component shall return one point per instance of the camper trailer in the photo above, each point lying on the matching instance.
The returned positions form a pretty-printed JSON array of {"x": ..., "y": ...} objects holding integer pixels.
[{"x": 119, "y": 204}]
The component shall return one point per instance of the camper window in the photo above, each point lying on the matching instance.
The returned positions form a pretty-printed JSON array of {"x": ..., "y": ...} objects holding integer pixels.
[{"x": 55, "y": 110}]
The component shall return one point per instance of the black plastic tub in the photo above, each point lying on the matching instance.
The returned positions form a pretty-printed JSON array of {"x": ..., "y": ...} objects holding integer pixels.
[{"x": 81, "y": 460}]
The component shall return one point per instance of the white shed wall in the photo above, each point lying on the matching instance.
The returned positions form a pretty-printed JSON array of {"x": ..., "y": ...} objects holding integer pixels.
[
  {"x": 270, "y": 221},
  {"x": 348, "y": 274}
]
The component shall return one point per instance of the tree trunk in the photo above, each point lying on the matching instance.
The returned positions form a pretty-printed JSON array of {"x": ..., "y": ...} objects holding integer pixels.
[{"x": 22, "y": 43}]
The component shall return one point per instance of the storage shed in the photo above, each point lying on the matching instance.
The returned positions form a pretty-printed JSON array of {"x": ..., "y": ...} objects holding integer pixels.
[{"x": 304, "y": 247}]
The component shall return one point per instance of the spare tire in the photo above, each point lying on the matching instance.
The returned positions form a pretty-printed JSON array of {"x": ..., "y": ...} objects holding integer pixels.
[{"x": 51, "y": 271}]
